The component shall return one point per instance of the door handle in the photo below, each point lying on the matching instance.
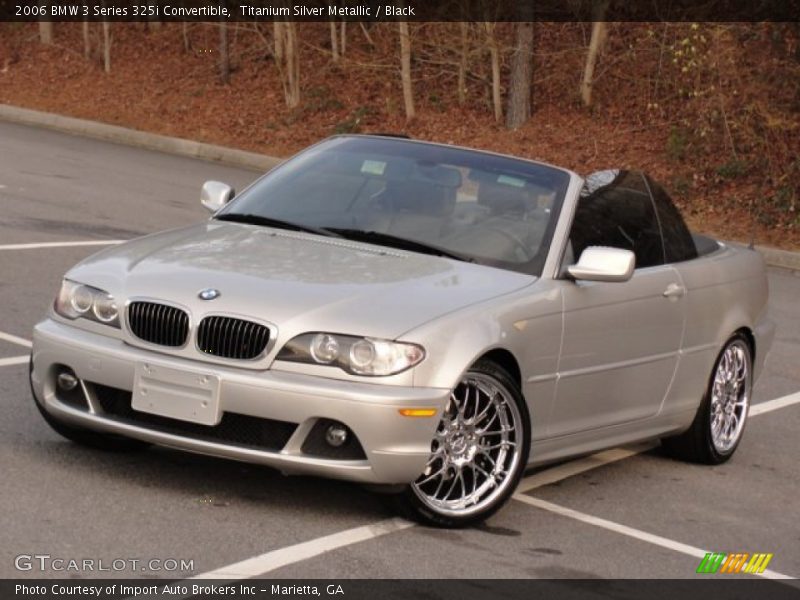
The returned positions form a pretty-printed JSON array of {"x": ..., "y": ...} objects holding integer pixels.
[{"x": 674, "y": 291}]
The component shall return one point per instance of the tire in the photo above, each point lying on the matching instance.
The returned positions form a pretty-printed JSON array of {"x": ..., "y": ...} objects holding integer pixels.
[
  {"x": 86, "y": 437},
  {"x": 724, "y": 408},
  {"x": 483, "y": 448}
]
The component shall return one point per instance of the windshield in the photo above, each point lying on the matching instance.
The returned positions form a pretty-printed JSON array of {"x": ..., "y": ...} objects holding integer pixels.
[{"x": 464, "y": 204}]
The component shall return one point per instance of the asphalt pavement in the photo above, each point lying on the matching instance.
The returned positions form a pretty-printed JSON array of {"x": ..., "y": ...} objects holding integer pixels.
[{"x": 69, "y": 502}]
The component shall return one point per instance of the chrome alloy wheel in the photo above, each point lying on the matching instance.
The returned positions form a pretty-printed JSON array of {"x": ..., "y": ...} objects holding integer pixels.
[
  {"x": 475, "y": 450},
  {"x": 730, "y": 396}
]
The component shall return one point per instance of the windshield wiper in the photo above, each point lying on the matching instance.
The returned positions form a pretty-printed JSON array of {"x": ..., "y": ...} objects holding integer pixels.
[
  {"x": 393, "y": 241},
  {"x": 252, "y": 219},
  {"x": 373, "y": 237}
]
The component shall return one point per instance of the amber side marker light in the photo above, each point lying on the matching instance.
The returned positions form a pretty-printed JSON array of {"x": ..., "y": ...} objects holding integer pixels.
[{"x": 417, "y": 412}]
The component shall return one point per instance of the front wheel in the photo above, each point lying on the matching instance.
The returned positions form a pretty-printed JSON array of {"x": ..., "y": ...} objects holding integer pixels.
[
  {"x": 478, "y": 453},
  {"x": 719, "y": 424}
]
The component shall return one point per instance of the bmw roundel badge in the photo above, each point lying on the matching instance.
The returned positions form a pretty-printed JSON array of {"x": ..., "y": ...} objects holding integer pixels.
[{"x": 208, "y": 294}]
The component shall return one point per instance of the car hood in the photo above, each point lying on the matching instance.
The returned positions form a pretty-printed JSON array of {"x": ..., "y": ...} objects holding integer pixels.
[{"x": 297, "y": 281}]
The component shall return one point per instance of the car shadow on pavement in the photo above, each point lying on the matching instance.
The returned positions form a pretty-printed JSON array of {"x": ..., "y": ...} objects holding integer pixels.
[{"x": 209, "y": 481}]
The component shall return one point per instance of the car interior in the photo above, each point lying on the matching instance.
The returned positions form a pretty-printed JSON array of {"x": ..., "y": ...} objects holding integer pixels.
[{"x": 484, "y": 214}]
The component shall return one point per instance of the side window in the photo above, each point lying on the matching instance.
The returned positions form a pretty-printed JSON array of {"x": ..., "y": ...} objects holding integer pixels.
[
  {"x": 678, "y": 242},
  {"x": 619, "y": 215}
]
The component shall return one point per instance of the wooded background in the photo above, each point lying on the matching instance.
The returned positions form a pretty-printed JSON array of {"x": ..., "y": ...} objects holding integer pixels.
[{"x": 710, "y": 109}]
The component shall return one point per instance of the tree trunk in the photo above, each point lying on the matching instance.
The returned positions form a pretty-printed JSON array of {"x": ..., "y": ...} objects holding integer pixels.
[
  {"x": 292, "y": 57},
  {"x": 520, "y": 86},
  {"x": 107, "y": 46},
  {"x": 599, "y": 33},
  {"x": 367, "y": 36},
  {"x": 287, "y": 60},
  {"x": 87, "y": 44},
  {"x": 334, "y": 42},
  {"x": 46, "y": 32},
  {"x": 343, "y": 45},
  {"x": 462, "y": 64},
  {"x": 224, "y": 59},
  {"x": 277, "y": 41},
  {"x": 405, "y": 69},
  {"x": 187, "y": 45},
  {"x": 152, "y": 22},
  {"x": 494, "y": 54}
]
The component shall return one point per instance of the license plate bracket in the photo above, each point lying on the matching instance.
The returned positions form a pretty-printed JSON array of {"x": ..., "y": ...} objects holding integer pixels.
[{"x": 191, "y": 396}]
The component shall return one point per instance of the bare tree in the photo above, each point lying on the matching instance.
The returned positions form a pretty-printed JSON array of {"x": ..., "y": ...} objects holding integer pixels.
[
  {"x": 277, "y": 41},
  {"x": 405, "y": 69},
  {"x": 46, "y": 32},
  {"x": 343, "y": 44},
  {"x": 187, "y": 44},
  {"x": 45, "y": 26},
  {"x": 107, "y": 46},
  {"x": 334, "y": 42},
  {"x": 599, "y": 34},
  {"x": 494, "y": 54},
  {"x": 520, "y": 84},
  {"x": 289, "y": 67},
  {"x": 367, "y": 36},
  {"x": 463, "y": 62},
  {"x": 224, "y": 58},
  {"x": 87, "y": 44},
  {"x": 152, "y": 21}
]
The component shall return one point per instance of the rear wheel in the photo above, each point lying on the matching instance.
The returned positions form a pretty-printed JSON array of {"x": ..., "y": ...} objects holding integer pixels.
[
  {"x": 478, "y": 453},
  {"x": 719, "y": 424}
]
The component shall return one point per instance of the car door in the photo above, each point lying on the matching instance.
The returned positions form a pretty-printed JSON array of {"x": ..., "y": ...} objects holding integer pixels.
[{"x": 621, "y": 340}]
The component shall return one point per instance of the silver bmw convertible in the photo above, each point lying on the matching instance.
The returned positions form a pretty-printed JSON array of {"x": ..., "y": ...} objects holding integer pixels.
[{"x": 424, "y": 319}]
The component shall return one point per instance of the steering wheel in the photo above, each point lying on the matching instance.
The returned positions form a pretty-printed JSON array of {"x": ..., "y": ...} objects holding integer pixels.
[{"x": 520, "y": 245}]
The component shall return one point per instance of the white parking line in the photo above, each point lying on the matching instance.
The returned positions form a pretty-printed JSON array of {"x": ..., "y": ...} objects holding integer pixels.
[
  {"x": 8, "y": 337},
  {"x": 613, "y": 455},
  {"x": 276, "y": 559},
  {"x": 770, "y": 405},
  {"x": 291, "y": 554},
  {"x": 14, "y": 360},
  {"x": 629, "y": 531},
  {"x": 60, "y": 244}
]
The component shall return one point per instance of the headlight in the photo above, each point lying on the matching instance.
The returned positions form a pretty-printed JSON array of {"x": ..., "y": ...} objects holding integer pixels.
[
  {"x": 324, "y": 348},
  {"x": 357, "y": 355},
  {"x": 76, "y": 300}
]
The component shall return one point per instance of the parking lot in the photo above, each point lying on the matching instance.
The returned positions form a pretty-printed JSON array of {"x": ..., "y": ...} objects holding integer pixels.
[{"x": 625, "y": 513}]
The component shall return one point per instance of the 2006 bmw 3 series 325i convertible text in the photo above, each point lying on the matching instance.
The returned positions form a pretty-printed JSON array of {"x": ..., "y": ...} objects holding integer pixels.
[{"x": 425, "y": 319}]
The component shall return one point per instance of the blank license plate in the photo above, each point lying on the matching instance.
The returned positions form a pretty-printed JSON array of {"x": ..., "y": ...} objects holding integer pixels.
[{"x": 175, "y": 393}]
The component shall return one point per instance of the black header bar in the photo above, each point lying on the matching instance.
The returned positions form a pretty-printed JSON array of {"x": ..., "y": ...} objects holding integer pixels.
[{"x": 400, "y": 10}]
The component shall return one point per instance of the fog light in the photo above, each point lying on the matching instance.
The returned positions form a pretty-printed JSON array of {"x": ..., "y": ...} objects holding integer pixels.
[
  {"x": 336, "y": 435},
  {"x": 67, "y": 381}
]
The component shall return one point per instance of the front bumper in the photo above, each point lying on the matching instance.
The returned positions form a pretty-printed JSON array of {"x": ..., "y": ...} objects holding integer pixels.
[{"x": 395, "y": 447}]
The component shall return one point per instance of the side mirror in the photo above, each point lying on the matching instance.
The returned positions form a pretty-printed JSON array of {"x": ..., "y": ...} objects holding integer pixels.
[
  {"x": 599, "y": 263},
  {"x": 215, "y": 194}
]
